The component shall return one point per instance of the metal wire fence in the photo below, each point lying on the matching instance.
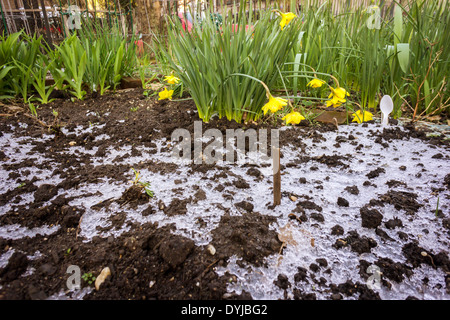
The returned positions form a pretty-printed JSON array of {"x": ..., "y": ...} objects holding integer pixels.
[{"x": 54, "y": 18}]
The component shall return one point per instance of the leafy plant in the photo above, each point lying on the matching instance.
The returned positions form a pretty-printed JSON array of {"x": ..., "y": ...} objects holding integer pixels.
[
  {"x": 18, "y": 55},
  {"x": 39, "y": 82},
  {"x": 142, "y": 184},
  {"x": 143, "y": 67},
  {"x": 97, "y": 69},
  {"x": 204, "y": 59},
  {"x": 117, "y": 74},
  {"x": 9, "y": 48},
  {"x": 32, "y": 109},
  {"x": 21, "y": 82},
  {"x": 437, "y": 208},
  {"x": 110, "y": 57},
  {"x": 74, "y": 59},
  {"x": 406, "y": 56},
  {"x": 3, "y": 74},
  {"x": 68, "y": 252},
  {"x": 89, "y": 278}
]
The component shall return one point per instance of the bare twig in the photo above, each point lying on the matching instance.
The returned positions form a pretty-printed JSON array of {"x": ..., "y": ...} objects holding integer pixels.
[
  {"x": 443, "y": 106},
  {"x": 207, "y": 268}
]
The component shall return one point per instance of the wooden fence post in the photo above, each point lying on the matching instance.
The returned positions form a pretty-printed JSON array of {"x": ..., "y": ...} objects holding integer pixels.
[{"x": 276, "y": 176}]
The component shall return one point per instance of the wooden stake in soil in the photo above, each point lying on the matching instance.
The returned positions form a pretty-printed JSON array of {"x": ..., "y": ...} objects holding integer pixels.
[
  {"x": 276, "y": 176},
  {"x": 47, "y": 25}
]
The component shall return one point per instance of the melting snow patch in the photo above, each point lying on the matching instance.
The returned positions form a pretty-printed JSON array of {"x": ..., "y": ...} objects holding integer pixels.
[{"x": 15, "y": 231}]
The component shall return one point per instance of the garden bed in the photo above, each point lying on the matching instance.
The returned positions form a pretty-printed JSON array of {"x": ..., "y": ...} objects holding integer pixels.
[{"x": 352, "y": 197}]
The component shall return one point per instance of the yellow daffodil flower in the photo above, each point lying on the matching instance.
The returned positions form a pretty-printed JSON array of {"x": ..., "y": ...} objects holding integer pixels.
[
  {"x": 334, "y": 102},
  {"x": 359, "y": 116},
  {"x": 286, "y": 18},
  {"x": 171, "y": 79},
  {"x": 315, "y": 83},
  {"x": 165, "y": 94},
  {"x": 274, "y": 104},
  {"x": 339, "y": 93},
  {"x": 293, "y": 117},
  {"x": 337, "y": 97}
]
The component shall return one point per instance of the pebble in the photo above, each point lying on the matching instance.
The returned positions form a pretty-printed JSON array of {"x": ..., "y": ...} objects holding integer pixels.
[
  {"x": 102, "y": 277},
  {"x": 211, "y": 249}
]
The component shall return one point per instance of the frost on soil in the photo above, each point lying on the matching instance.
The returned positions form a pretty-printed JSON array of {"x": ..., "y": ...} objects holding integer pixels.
[{"x": 328, "y": 196}]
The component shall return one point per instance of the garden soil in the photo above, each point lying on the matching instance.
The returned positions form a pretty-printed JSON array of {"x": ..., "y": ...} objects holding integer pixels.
[{"x": 150, "y": 261}]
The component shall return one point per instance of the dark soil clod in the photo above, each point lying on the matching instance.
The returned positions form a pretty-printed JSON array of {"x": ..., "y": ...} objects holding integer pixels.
[
  {"x": 247, "y": 206},
  {"x": 45, "y": 192},
  {"x": 337, "y": 230},
  {"x": 375, "y": 173},
  {"x": 371, "y": 218},
  {"x": 394, "y": 223},
  {"x": 342, "y": 202},
  {"x": 352, "y": 190},
  {"x": 17, "y": 265},
  {"x": 402, "y": 200},
  {"x": 357, "y": 244},
  {"x": 247, "y": 236},
  {"x": 177, "y": 207}
]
